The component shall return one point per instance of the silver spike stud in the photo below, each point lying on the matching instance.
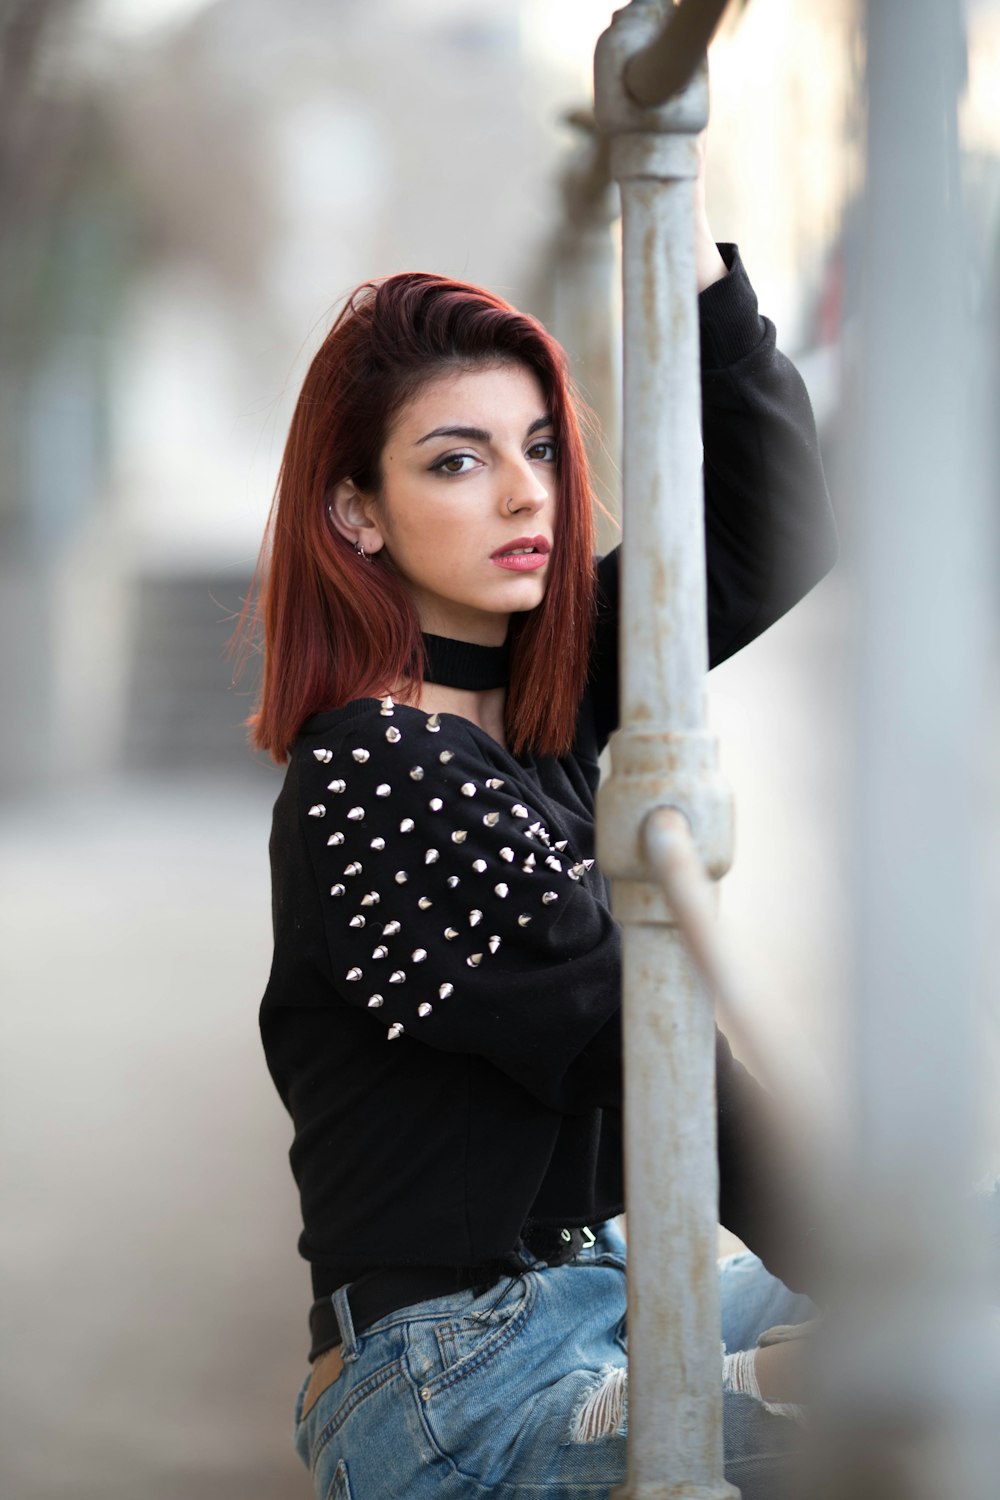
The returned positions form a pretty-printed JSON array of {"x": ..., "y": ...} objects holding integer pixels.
[
  {"x": 452, "y": 882},
  {"x": 475, "y": 917},
  {"x": 424, "y": 1008},
  {"x": 575, "y": 871},
  {"x": 337, "y": 890},
  {"x": 560, "y": 844},
  {"x": 435, "y": 804},
  {"x": 374, "y": 1002},
  {"x": 519, "y": 810},
  {"x": 535, "y": 827},
  {"x": 395, "y": 1030},
  {"x": 459, "y": 836},
  {"x": 588, "y": 864},
  {"x": 383, "y": 789},
  {"x": 474, "y": 960},
  {"x": 371, "y": 899},
  {"x": 523, "y": 919},
  {"x": 479, "y": 865},
  {"x": 549, "y": 897},
  {"x": 317, "y": 810},
  {"x": 431, "y": 857},
  {"x": 407, "y": 825},
  {"x": 418, "y": 955},
  {"x": 501, "y": 890},
  {"x": 446, "y": 756},
  {"x": 425, "y": 902},
  {"x": 417, "y": 773},
  {"x": 354, "y": 868},
  {"x": 356, "y": 814},
  {"x": 387, "y": 707},
  {"x": 393, "y": 735},
  {"x": 357, "y": 921},
  {"x": 450, "y": 933},
  {"x": 445, "y": 991},
  {"x": 337, "y": 785},
  {"x": 494, "y": 783},
  {"x": 493, "y": 943},
  {"x": 529, "y": 863},
  {"x": 507, "y": 853},
  {"x": 378, "y": 844},
  {"x": 467, "y": 789},
  {"x": 353, "y": 974},
  {"x": 397, "y": 976},
  {"x": 553, "y": 863},
  {"x": 401, "y": 877},
  {"x": 360, "y": 755},
  {"x": 335, "y": 838},
  {"x": 323, "y": 756},
  {"x": 492, "y": 819},
  {"x": 380, "y": 952},
  {"x": 390, "y": 929},
  {"x": 434, "y": 723}
]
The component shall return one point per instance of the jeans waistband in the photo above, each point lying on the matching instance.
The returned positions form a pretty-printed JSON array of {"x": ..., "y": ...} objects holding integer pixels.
[{"x": 378, "y": 1293}]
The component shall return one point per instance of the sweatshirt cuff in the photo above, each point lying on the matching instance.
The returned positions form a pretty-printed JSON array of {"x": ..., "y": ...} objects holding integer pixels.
[{"x": 730, "y": 325}]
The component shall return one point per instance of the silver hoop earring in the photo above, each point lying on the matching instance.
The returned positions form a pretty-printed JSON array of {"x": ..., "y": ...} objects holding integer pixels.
[{"x": 360, "y": 550}]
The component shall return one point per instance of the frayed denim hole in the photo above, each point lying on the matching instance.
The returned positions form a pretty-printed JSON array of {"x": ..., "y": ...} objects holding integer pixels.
[{"x": 602, "y": 1410}]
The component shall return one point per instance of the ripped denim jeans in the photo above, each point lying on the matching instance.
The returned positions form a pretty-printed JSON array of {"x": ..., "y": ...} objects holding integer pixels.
[{"x": 521, "y": 1391}]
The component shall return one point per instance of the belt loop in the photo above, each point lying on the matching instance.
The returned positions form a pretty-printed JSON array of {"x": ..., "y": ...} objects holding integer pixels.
[{"x": 348, "y": 1338}]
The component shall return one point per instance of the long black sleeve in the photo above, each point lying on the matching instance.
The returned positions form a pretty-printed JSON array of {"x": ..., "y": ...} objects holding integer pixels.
[{"x": 769, "y": 528}]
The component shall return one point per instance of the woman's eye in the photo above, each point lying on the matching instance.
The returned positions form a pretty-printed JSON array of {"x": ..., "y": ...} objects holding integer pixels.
[
  {"x": 544, "y": 450},
  {"x": 451, "y": 464}
]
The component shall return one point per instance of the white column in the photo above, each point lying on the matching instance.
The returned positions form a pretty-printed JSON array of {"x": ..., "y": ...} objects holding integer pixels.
[{"x": 909, "y": 1393}]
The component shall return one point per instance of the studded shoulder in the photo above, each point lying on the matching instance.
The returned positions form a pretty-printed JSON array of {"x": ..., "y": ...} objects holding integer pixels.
[{"x": 445, "y": 895}]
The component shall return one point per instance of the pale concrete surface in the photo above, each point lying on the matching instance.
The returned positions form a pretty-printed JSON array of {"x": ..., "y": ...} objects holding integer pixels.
[{"x": 154, "y": 1305}]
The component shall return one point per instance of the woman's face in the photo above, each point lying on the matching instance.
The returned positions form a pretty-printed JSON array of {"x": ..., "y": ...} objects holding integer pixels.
[{"x": 467, "y": 509}]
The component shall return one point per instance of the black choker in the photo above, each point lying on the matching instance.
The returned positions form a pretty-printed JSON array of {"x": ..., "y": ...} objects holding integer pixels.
[{"x": 460, "y": 664}]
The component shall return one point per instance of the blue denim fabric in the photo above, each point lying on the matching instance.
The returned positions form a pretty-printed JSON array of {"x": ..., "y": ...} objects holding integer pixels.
[{"x": 464, "y": 1396}]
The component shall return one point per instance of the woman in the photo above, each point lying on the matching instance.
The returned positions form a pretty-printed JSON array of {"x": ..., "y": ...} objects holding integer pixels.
[{"x": 442, "y": 1015}]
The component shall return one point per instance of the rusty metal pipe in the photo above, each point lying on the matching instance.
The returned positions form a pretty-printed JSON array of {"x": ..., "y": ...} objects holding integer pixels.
[
  {"x": 662, "y": 753},
  {"x": 693, "y": 901},
  {"x": 667, "y": 64}
]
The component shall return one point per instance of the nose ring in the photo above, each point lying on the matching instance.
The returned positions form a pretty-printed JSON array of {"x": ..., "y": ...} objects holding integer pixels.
[{"x": 510, "y": 502}]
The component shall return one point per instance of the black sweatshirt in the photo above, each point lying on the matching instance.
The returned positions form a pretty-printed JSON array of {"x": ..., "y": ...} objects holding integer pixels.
[{"x": 442, "y": 1015}]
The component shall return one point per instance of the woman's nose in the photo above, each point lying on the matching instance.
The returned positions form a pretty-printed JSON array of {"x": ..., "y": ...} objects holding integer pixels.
[{"x": 524, "y": 492}]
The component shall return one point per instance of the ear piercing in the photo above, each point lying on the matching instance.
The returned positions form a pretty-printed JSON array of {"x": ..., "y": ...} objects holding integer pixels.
[{"x": 357, "y": 540}]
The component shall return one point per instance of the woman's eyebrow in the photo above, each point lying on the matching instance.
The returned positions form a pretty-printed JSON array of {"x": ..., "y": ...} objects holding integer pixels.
[{"x": 478, "y": 434}]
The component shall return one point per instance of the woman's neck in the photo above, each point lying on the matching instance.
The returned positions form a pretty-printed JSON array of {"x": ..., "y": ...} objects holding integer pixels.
[
  {"x": 465, "y": 679},
  {"x": 484, "y": 708}
]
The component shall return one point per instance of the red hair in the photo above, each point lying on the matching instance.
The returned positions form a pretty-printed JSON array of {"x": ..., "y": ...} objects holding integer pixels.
[{"x": 334, "y": 628}]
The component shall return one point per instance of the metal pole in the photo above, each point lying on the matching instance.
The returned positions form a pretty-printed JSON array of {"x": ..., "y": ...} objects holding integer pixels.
[
  {"x": 661, "y": 755},
  {"x": 907, "y": 1405}
]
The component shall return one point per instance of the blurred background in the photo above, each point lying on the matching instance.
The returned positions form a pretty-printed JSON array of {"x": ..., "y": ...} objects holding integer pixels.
[{"x": 188, "y": 189}]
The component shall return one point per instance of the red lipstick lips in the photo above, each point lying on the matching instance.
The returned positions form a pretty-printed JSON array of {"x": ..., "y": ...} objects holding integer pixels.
[{"x": 522, "y": 554}]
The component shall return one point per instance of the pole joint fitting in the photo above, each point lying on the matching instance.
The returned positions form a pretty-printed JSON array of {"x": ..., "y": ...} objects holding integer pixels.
[{"x": 652, "y": 769}]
